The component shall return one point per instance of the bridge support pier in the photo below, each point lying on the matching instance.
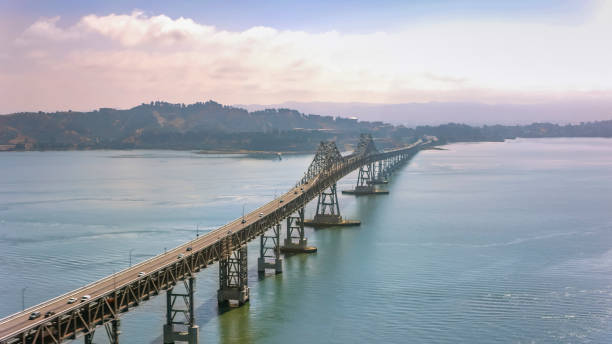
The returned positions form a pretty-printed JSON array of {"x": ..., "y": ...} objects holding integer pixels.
[
  {"x": 328, "y": 211},
  {"x": 233, "y": 278},
  {"x": 296, "y": 241},
  {"x": 88, "y": 339},
  {"x": 379, "y": 176},
  {"x": 113, "y": 330},
  {"x": 190, "y": 333},
  {"x": 365, "y": 182},
  {"x": 269, "y": 248}
]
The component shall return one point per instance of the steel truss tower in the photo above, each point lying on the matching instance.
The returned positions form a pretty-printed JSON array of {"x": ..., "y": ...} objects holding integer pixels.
[
  {"x": 269, "y": 251},
  {"x": 328, "y": 207},
  {"x": 364, "y": 178},
  {"x": 295, "y": 230},
  {"x": 186, "y": 319},
  {"x": 233, "y": 277}
]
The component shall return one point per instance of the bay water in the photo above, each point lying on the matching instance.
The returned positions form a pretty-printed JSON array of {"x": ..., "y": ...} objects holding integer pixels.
[{"x": 477, "y": 243}]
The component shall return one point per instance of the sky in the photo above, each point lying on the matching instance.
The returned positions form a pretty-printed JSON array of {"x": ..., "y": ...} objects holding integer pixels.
[{"x": 82, "y": 55}]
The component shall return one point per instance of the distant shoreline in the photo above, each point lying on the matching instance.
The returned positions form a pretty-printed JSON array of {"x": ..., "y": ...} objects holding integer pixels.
[
  {"x": 11, "y": 148},
  {"x": 245, "y": 151}
]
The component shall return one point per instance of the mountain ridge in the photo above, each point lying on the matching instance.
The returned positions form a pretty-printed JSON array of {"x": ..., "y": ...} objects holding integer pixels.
[{"x": 212, "y": 126}]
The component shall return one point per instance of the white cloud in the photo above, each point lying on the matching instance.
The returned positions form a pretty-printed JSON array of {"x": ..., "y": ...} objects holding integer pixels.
[
  {"x": 47, "y": 29},
  {"x": 121, "y": 59}
]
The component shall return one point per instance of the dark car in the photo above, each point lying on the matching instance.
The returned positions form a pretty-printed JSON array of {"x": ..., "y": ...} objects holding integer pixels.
[
  {"x": 49, "y": 313},
  {"x": 34, "y": 315}
]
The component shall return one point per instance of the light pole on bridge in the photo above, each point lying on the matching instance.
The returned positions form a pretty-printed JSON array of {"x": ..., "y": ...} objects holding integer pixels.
[
  {"x": 131, "y": 256},
  {"x": 23, "y": 297}
]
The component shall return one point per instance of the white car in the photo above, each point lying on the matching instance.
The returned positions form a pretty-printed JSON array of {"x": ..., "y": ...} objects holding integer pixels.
[
  {"x": 260, "y": 214},
  {"x": 140, "y": 274},
  {"x": 180, "y": 256},
  {"x": 85, "y": 298},
  {"x": 71, "y": 300}
]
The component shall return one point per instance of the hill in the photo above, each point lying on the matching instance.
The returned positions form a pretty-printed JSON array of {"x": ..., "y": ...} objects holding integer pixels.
[
  {"x": 212, "y": 126},
  {"x": 208, "y": 125}
]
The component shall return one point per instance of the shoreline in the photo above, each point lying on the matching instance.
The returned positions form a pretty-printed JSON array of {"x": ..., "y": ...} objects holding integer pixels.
[{"x": 245, "y": 151}]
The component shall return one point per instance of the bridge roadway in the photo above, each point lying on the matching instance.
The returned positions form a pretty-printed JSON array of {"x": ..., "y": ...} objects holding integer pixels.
[{"x": 18, "y": 323}]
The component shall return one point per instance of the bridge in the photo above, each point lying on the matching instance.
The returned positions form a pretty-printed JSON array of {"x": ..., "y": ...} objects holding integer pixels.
[{"x": 101, "y": 303}]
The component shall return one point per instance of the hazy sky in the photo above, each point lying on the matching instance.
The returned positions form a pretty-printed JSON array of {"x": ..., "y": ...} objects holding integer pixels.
[{"x": 87, "y": 54}]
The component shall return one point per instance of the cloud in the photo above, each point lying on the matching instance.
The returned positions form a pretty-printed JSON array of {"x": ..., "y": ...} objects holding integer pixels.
[
  {"x": 122, "y": 59},
  {"x": 136, "y": 29},
  {"x": 47, "y": 29}
]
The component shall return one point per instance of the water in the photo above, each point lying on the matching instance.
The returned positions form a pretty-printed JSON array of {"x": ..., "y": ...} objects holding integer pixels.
[{"x": 489, "y": 242}]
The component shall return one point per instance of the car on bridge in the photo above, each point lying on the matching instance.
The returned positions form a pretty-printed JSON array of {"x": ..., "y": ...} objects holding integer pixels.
[
  {"x": 34, "y": 315},
  {"x": 71, "y": 300},
  {"x": 85, "y": 298},
  {"x": 49, "y": 313}
]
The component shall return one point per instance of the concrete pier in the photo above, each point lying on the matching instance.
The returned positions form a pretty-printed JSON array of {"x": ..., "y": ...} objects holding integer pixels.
[
  {"x": 330, "y": 221},
  {"x": 299, "y": 247},
  {"x": 365, "y": 191},
  {"x": 233, "y": 296}
]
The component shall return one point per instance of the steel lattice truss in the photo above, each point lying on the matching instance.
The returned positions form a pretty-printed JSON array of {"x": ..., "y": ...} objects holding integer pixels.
[
  {"x": 326, "y": 156},
  {"x": 365, "y": 146}
]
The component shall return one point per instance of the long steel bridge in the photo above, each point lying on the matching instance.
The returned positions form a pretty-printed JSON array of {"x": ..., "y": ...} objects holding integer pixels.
[{"x": 101, "y": 303}]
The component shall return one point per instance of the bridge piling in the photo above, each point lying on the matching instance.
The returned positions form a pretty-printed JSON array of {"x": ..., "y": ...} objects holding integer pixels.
[
  {"x": 365, "y": 182},
  {"x": 269, "y": 248},
  {"x": 88, "y": 339},
  {"x": 113, "y": 330},
  {"x": 190, "y": 334},
  {"x": 296, "y": 241},
  {"x": 328, "y": 211},
  {"x": 233, "y": 278},
  {"x": 378, "y": 173}
]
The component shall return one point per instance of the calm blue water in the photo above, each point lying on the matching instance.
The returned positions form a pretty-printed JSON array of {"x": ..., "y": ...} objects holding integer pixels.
[{"x": 489, "y": 242}]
